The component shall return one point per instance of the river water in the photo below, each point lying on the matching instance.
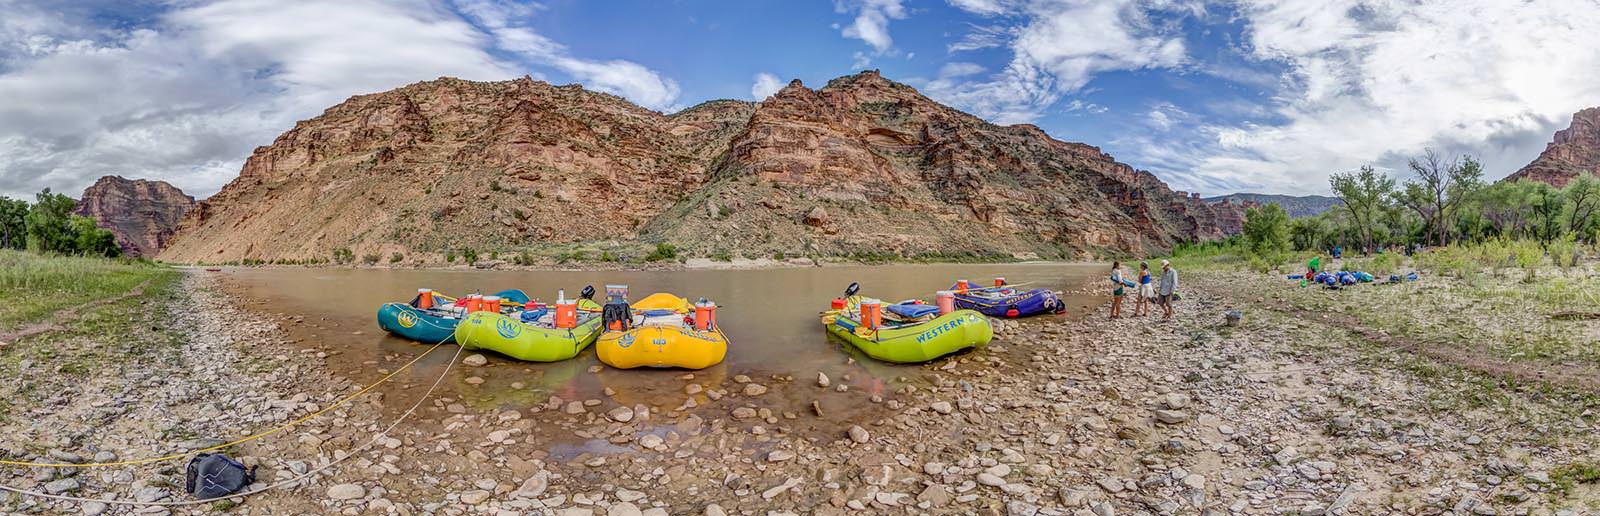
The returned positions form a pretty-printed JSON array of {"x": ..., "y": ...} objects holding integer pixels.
[{"x": 769, "y": 315}]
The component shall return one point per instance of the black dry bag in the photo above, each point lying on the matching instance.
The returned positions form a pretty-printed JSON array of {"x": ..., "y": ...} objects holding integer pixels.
[{"x": 215, "y": 476}]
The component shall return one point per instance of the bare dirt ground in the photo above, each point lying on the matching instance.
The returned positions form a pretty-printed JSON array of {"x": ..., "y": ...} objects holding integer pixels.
[{"x": 1287, "y": 413}]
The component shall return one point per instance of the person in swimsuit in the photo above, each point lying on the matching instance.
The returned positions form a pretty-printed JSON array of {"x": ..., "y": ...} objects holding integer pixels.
[{"x": 1141, "y": 301}]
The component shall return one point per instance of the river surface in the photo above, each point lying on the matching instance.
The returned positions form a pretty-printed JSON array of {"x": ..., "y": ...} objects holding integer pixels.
[{"x": 769, "y": 316}]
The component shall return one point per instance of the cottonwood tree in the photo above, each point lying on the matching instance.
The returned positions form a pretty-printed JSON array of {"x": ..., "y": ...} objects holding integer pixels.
[
  {"x": 13, "y": 231},
  {"x": 1583, "y": 194},
  {"x": 1364, "y": 193},
  {"x": 1441, "y": 187},
  {"x": 1266, "y": 230}
]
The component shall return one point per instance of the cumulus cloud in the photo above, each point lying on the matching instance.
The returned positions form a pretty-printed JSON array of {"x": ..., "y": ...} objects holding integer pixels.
[
  {"x": 766, "y": 84},
  {"x": 624, "y": 78},
  {"x": 872, "y": 21},
  {"x": 1057, "y": 48},
  {"x": 1372, "y": 82},
  {"x": 186, "y": 93}
]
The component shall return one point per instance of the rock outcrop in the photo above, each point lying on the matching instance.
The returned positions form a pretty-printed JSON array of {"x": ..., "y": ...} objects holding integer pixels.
[
  {"x": 517, "y": 164},
  {"x": 1574, "y": 151},
  {"x": 141, "y": 213},
  {"x": 1295, "y": 205}
]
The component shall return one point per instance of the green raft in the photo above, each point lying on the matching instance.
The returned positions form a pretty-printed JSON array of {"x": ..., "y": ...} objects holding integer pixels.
[
  {"x": 532, "y": 341},
  {"x": 912, "y": 343}
]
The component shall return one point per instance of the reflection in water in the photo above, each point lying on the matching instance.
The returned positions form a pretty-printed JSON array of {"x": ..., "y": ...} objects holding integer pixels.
[{"x": 770, "y": 317}]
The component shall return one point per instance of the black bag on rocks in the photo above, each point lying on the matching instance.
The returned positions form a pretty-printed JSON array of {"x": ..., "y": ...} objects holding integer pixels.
[{"x": 215, "y": 476}]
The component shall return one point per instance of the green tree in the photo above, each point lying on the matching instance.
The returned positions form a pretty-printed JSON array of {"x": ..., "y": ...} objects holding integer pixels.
[
  {"x": 1308, "y": 232},
  {"x": 1364, "y": 193},
  {"x": 48, "y": 224},
  {"x": 1266, "y": 230},
  {"x": 1442, "y": 186},
  {"x": 13, "y": 231},
  {"x": 1583, "y": 196},
  {"x": 90, "y": 240},
  {"x": 1548, "y": 206}
]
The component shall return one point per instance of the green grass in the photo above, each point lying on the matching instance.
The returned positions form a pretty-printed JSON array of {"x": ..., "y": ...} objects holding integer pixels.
[{"x": 36, "y": 286}]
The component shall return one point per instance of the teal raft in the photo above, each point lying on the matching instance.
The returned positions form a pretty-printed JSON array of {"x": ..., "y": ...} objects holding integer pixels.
[{"x": 437, "y": 322}]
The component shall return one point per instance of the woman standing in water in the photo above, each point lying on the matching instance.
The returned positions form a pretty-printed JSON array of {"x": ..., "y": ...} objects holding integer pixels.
[
  {"x": 1118, "y": 283},
  {"x": 1141, "y": 302}
]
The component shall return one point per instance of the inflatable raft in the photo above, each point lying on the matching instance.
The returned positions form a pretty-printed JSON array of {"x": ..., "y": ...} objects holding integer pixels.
[
  {"x": 907, "y": 332},
  {"x": 1005, "y": 301},
  {"x": 533, "y": 334},
  {"x": 662, "y": 330},
  {"x": 432, "y": 317}
]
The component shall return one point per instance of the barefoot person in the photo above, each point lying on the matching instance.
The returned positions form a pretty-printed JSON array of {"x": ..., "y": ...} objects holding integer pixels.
[
  {"x": 1169, "y": 288},
  {"x": 1146, "y": 292},
  {"x": 1118, "y": 284}
]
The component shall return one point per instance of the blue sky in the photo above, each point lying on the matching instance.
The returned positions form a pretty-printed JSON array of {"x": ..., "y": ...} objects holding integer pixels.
[{"x": 1239, "y": 95}]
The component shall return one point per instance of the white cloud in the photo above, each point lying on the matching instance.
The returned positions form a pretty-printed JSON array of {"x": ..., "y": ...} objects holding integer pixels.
[
  {"x": 872, "y": 21},
  {"x": 986, "y": 7},
  {"x": 766, "y": 85},
  {"x": 1371, "y": 82},
  {"x": 186, "y": 95},
  {"x": 959, "y": 69},
  {"x": 1058, "y": 48},
  {"x": 624, "y": 78}
]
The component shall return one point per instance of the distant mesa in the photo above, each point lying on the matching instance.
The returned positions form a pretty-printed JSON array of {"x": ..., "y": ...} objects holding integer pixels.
[
  {"x": 1296, "y": 205},
  {"x": 1574, "y": 151},
  {"x": 455, "y": 164},
  {"x": 141, "y": 213}
]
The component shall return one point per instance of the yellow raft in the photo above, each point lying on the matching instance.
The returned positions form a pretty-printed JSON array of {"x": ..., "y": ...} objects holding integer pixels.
[{"x": 660, "y": 333}]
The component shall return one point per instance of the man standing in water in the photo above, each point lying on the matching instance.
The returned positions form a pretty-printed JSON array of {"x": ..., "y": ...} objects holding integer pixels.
[{"x": 1169, "y": 287}]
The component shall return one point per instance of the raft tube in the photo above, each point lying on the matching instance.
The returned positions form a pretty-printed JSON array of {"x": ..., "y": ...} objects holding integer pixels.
[
  {"x": 1010, "y": 303},
  {"x": 532, "y": 341},
  {"x": 661, "y": 337},
  {"x": 913, "y": 343},
  {"x": 437, "y": 324}
]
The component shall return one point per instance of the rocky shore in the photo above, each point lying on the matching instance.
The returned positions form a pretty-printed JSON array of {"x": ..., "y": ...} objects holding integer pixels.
[{"x": 1094, "y": 416}]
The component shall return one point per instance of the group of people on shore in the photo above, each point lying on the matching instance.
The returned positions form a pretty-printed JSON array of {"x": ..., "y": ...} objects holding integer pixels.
[{"x": 1146, "y": 292}]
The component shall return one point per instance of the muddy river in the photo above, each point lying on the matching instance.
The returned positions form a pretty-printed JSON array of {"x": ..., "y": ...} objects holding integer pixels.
[{"x": 769, "y": 315}]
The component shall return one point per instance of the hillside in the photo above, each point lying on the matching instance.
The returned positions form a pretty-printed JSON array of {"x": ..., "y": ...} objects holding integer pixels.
[
  {"x": 1573, "y": 151},
  {"x": 862, "y": 166},
  {"x": 1296, "y": 205},
  {"x": 142, "y": 213}
]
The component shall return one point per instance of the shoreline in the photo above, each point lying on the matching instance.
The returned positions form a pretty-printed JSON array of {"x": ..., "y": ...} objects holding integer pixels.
[
  {"x": 1086, "y": 416},
  {"x": 695, "y": 264}
]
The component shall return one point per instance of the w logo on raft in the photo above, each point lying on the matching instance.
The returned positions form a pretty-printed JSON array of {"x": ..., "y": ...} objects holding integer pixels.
[
  {"x": 626, "y": 340},
  {"x": 406, "y": 319},
  {"x": 508, "y": 328}
]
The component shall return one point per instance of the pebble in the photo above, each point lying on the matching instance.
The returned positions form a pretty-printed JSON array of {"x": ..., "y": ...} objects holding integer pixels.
[
  {"x": 779, "y": 455},
  {"x": 475, "y": 497},
  {"x": 754, "y": 389},
  {"x": 942, "y": 407},
  {"x": 822, "y": 379},
  {"x": 620, "y": 414},
  {"x": 859, "y": 434},
  {"x": 346, "y": 491},
  {"x": 475, "y": 360}
]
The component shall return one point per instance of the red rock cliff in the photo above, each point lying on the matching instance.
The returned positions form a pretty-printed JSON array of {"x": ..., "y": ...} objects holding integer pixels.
[
  {"x": 1574, "y": 150},
  {"x": 141, "y": 213}
]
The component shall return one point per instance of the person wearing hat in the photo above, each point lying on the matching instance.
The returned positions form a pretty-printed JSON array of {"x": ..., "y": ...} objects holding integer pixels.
[{"x": 1169, "y": 288}]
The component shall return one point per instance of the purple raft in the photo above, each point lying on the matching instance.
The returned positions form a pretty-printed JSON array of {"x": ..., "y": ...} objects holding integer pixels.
[{"x": 1009, "y": 302}]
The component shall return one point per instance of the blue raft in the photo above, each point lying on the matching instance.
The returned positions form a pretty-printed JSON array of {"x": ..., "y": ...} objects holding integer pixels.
[
  {"x": 437, "y": 324},
  {"x": 1009, "y": 302}
]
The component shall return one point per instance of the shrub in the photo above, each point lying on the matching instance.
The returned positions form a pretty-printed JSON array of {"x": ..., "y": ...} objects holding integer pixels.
[
  {"x": 1528, "y": 255},
  {"x": 778, "y": 255},
  {"x": 722, "y": 256},
  {"x": 369, "y": 259},
  {"x": 605, "y": 256},
  {"x": 664, "y": 251},
  {"x": 470, "y": 255},
  {"x": 396, "y": 258},
  {"x": 449, "y": 256},
  {"x": 343, "y": 255},
  {"x": 1564, "y": 252}
]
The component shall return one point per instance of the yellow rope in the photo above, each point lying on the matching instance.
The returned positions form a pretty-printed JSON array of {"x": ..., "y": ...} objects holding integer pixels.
[{"x": 285, "y": 426}]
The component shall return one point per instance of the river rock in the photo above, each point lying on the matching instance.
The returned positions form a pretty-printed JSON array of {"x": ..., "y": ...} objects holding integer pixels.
[
  {"x": 624, "y": 509},
  {"x": 346, "y": 492},
  {"x": 744, "y": 413},
  {"x": 779, "y": 455},
  {"x": 859, "y": 434},
  {"x": 942, "y": 407},
  {"x": 754, "y": 389},
  {"x": 780, "y": 488},
  {"x": 620, "y": 414},
  {"x": 475, "y": 497},
  {"x": 65, "y": 485},
  {"x": 822, "y": 379},
  {"x": 475, "y": 360},
  {"x": 1171, "y": 417}
]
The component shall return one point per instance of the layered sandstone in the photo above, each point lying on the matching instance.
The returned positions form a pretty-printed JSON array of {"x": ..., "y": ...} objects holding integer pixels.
[
  {"x": 517, "y": 164},
  {"x": 141, "y": 213},
  {"x": 1574, "y": 151}
]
